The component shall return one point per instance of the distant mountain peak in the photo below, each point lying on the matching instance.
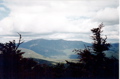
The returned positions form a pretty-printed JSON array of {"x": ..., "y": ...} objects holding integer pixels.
[{"x": 58, "y": 48}]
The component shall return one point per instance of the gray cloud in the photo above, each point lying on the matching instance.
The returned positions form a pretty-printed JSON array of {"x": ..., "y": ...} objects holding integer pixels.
[
  {"x": 69, "y": 20},
  {"x": 108, "y": 15}
]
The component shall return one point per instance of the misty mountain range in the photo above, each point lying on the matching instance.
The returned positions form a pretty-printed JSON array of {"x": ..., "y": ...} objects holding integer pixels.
[{"x": 61, "y": 49}]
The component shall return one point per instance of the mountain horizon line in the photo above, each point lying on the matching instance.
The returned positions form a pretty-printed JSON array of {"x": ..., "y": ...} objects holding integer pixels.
[{"x": 65, "y": 40}]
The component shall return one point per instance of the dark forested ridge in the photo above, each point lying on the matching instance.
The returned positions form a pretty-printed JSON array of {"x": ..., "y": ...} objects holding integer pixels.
[{"x": 51, "y": 48}]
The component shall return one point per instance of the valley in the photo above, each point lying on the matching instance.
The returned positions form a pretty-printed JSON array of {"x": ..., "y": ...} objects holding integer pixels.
[{"x": 57, "y": 51}]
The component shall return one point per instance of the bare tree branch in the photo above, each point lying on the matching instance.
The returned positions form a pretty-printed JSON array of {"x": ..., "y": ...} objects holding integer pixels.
[{"x": 19, "y": 42}]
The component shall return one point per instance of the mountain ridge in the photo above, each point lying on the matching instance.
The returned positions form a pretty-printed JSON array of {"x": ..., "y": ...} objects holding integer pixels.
[{"x": 59, "y": 48}]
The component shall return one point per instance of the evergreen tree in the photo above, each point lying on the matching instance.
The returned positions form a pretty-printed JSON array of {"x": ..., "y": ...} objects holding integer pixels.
[
  {"x": 93, "y": 62},
  {"x": 12, "y": 63},
  {"x": 97, "y": 49}
]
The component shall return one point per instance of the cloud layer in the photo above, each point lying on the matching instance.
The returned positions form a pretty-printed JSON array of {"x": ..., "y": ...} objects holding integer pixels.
[{"x": 50, "y": 19}]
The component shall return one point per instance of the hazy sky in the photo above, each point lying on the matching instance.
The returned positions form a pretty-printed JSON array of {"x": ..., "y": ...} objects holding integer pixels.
[{"x": 58, "y": 19}]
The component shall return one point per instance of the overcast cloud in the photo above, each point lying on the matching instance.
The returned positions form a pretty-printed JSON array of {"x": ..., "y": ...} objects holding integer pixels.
[{"x": 60, "y": 19}]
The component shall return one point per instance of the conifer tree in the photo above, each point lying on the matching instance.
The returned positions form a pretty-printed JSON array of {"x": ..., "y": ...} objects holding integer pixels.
[
  {"x": 93, "y": 60},
  {"x": 10, "y": 57},
  {"x": 13, "y": 63},
  {"x": 96, "y": 51},
  {"x": 99, "y": 44}
]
